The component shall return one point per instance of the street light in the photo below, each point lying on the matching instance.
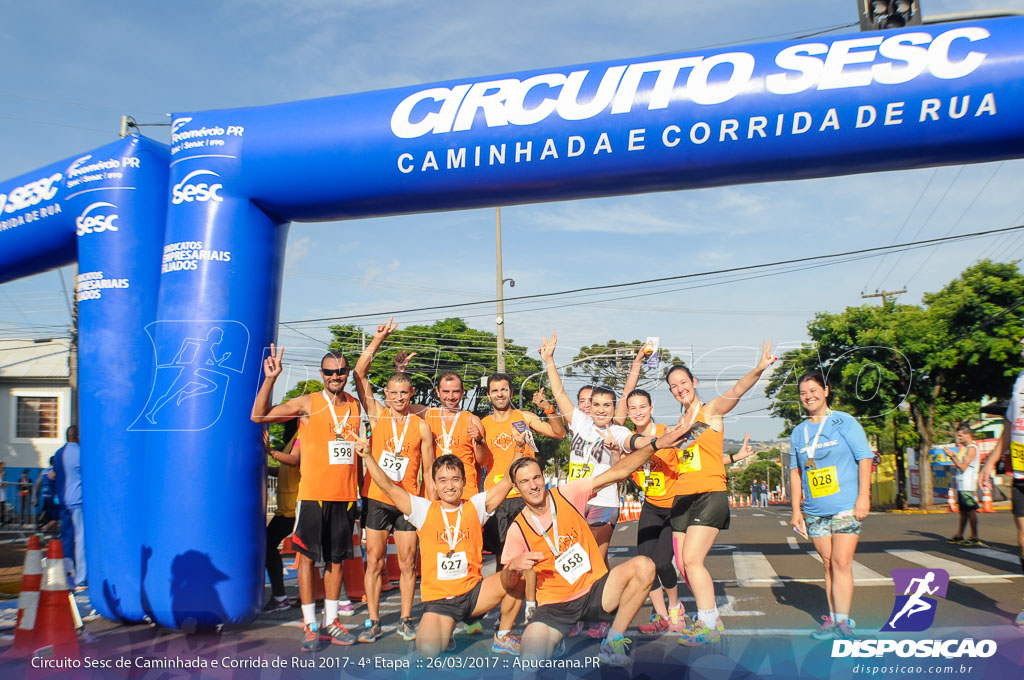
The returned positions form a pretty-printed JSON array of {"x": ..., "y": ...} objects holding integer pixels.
[{"x": 500, "y": 320}]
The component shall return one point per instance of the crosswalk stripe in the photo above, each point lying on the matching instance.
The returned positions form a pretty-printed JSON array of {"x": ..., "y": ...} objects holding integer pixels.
[
  {"x": 994, "y": 554},
  {"x": 753, "y": 569},
  {"x": 956, "y": 569},
  {"x": 862, "y": 576},
  {"x": 792, "y": 542}
]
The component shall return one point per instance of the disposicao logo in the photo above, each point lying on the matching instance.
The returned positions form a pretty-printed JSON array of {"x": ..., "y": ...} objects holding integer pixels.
[{"x": 914, "y": 610}]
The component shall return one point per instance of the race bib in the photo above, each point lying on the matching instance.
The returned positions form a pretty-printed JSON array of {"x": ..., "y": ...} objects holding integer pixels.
[
  {"x": 1017, "y": 457},
  {"x": 452, "y": 568},
  {"x": 573, "y": 563},
  {"x": 580, "y": 470},
  {"x": 689, "y": 459},
  {"x": 654, "y": 483},
  {"x": 341, "y": 452},
  {"x": 393, "y": 466},
  {"x": 823, "y": 482}
]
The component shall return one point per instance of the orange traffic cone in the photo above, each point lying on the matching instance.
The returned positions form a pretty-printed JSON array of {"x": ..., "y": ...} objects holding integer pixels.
[
  {"x": 55, "y": 624},
  {"x": 352, "y": 573},
  {"x": 986, "y": 500},
  {"x": 951, "y": 505},
  {"x": 28, "y": 600}
]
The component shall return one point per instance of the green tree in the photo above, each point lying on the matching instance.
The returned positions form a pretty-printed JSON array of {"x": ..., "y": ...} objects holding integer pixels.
[
  {"x": 608, "y": 363},
  {"x": 935, "y": 361},
  {"x": 447, "y": 345}
]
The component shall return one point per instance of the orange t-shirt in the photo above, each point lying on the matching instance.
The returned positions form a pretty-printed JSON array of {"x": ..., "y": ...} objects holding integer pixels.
[
  {"x": 572, "y": 529},
  {"x": 701, "y": 468},
  {"x": 660, "y": 485},
  {"x": 502, "y": 446},
  {"x": 383, "y": 444},
  {"x": 320, "y": 479},
  {"x": 460, "y": 578},
  {"x": 461, "y": 446}
]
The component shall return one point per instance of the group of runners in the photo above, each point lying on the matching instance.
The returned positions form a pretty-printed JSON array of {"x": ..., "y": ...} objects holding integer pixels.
[{"x": 422, "y": 486}]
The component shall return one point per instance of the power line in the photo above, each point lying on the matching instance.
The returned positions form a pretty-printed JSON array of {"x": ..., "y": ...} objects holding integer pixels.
[{"x": 856, "y": 254}]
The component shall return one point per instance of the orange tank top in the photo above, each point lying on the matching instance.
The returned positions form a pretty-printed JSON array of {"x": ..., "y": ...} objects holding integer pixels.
[
  {"x": 324, "y": 478},
  {"x": 552, "y": 587},
  {"x": 658, "y": 477},
  {"x": 501, "y": 444},
  {"x": 459, "y": 445},
  {"x": 701, "y": 468},
  {"x": 407, "y": 465},
  {"x": 442, "y": 574}
]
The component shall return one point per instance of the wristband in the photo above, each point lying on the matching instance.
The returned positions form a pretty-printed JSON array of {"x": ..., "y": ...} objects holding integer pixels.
[
  {"x": 654, "y": 443},
  {"x": 550, "y": 410},
  {"x": 632, "y": 441}
]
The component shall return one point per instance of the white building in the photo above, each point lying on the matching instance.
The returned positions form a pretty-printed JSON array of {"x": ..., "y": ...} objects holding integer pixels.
[{"x": 35, "y": 401}]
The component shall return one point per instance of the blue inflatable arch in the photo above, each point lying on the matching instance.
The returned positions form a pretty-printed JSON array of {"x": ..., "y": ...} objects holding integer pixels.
[{"x": 943, "y": 94}]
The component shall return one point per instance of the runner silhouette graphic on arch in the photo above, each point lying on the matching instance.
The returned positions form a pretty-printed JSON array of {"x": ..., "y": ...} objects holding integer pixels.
[{"x": 195, "y": 357}]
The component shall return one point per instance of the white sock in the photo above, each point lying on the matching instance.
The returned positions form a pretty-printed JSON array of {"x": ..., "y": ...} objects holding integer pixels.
[
  {"x": 309, "y": 614},
  {"x": 503, "y": 633},
  {"x": 709, "y": 617},
  {"x": 840, "y": 618},
  {"x": 330, "y": 611},
  {"x": 280, "y": 599},
  {"x": 342, "y": 603}
]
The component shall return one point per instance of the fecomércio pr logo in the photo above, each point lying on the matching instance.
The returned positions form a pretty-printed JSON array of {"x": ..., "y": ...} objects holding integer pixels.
[{"x": 916, "y": 603}]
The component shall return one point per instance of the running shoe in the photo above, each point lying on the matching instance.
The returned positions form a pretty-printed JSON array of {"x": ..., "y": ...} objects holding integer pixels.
[
  {"x": 699, "y": 634},
  {"x": 615, "y": 652},
  {"x": 371, "y": 632},
  {"x": 407, "y": 629},
  {"x": 825, "y": 632},
  {"x": 346, "y": 609},
  {"x": 577, "y": 630},
  {"x": 276, "y": 605},
  {"x": 475, "y": 628},
  {"x": 310, "y": 638},
  {"x": 682, "y": 621},
  {"x": 843, "y": 631},
  {"x": 506, "y": 645},
  {"x": 598, "y": 631},
  {"x": 655, "y": 626},
  {"x": 337, "y": 634},
  {"x": 975, "y": 542},
  {"x": 1020, "y": 619},
  {"x": 955, "y": 540}
]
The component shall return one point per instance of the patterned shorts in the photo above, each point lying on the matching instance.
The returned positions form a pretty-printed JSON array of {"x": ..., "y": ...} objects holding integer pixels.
[{"x": 823, "y": 526}]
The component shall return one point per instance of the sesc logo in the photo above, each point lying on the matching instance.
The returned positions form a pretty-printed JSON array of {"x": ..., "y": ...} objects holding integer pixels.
[
  {"x": 186, "y": 192},
  {"x": 94, "y": 221},
  {"x": 179, "y": 123},
  {"x": 915, "y": 611}
]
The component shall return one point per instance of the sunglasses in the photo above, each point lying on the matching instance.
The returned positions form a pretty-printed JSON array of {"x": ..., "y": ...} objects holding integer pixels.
[{"x": 328, "y": 372}]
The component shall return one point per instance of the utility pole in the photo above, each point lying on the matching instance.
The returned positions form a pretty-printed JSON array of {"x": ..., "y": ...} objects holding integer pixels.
[
  {"x": 500, "y": 320},
  {"x": 884, "y": 294}
]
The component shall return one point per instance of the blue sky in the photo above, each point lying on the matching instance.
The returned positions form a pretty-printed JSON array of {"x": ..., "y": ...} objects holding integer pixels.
[{"x": 74, "y": 68}]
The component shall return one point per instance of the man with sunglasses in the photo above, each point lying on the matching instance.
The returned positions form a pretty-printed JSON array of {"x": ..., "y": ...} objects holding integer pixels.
[{"x": 330, "y": 423}]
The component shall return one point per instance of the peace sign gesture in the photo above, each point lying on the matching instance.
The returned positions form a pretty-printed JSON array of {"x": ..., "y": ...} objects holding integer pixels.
[
  {"x": 385, "y": 329},
  {"x": 272, "y": 364},
  {"x": 547, "y": 348},
  {"x": 767, "y": 358}
]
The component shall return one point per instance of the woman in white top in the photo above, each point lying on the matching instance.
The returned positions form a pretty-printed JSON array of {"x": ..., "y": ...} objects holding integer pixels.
[{"x": 966, "y": 460}]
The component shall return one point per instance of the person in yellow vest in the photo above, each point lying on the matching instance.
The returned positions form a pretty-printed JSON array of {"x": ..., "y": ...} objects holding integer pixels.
[
  {"x": 328, "y": 488},
  {"x": 701, "y": 506},
  {"x": 282, "y": 523},
  {"x": 402, "y": 444},
  {"x": 450, "y": 530}
]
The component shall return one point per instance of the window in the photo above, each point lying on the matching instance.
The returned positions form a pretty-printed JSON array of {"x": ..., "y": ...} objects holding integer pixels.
[{"x": 37, "y": 418}]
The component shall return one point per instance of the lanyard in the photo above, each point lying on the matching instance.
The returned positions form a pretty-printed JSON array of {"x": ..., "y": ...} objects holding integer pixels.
[
  {"x": 451, "y": 536},
  {"x": 446, "y": 435},
  {"x": 652, "y": 428},
  {"x": 339, "y": 427},
  {"x": 554, "y": 527},
  {"x": 694, "y": 418},
  {"x": 807, "y": 437},
  {"x": 398, "y": 441}
]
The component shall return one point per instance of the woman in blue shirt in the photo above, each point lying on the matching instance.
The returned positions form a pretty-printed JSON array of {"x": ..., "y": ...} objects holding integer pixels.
[{"x": 830, "y": 471}]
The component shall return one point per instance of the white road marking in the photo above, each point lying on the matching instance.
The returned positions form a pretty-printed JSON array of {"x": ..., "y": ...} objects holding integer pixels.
[
  {"x": 956, "y": 570},
  {"x": 792, "y": 542},
  {"x": 861, "y": 575},
  {"x": 994, "y": 554},
  {"x": 753, "y": 569},
  {"x": 782, "y": 522}
]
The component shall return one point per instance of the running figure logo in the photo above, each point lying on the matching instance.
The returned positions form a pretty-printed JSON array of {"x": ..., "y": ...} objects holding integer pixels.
[
  {"x": 914, "y": 610},
  {"x": 195, "y": 362}
]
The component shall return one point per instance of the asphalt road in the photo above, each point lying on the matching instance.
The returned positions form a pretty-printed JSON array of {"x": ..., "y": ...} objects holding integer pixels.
[{"x": 768, "y": 584}]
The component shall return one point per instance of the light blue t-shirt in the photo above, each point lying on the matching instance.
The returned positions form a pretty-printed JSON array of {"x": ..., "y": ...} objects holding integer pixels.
[
  {"x": 842, "y": 444},
  {"x": 71, "y": 459}
]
